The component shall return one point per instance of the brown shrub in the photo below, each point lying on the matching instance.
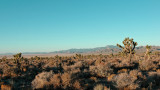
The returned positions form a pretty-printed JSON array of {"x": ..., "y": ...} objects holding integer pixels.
[
  {"x": 136, "y": 74},
  {"x": 6, "y": 87},
  {"x": 24, "y": 69},
  {"x": 56, "y": 81},
  {"x": 122, "y": 71},
  {"x": 158, "y": 70},
  {"x": 93, "y": 78},
  {"x": 101, "y": 71},
  {"x": 153, "y": 79},
  {"x": 146, "y": 65},
  {"x": 123, "y": 80},
  {"x": 66, "y": 80},
  {"x": 80, "y": 65},
  {"x": 42, "y": 79},
  {"x": 99, "y": 87},
  {"x": 77, "y": 85},
  {"x": 111, "y": 77},
  {"x": 98, "y": 61},
  {"x": 90, "y": 62}
]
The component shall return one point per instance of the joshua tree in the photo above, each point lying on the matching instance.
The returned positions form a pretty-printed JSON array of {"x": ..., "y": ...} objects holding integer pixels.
[
  {"x": 17, "y": 57},
  {"x": 79, "y": 56},
  {"x": 129, "y": 46},
  {"x": 4, "y": 58},
  {"x": 148, "y": 52}
]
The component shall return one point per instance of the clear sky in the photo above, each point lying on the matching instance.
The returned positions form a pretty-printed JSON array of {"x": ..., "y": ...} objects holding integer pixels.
[{"x": 50, "y": 25}]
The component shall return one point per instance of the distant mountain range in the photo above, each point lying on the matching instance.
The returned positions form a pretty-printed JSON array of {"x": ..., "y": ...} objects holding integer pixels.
[
  {"x": 106, "y": 50},
  {"x": 87, "y": 50},
  {"x": 99, "y": 50}
]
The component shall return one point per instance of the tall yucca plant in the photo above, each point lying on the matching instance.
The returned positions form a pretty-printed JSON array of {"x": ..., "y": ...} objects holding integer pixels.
[
  {"x": 17, "y": 57},
  {"x": 148, "y": 52},
  {"x": 129, "y": 47}
]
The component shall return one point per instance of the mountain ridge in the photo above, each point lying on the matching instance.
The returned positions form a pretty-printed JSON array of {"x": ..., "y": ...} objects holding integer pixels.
[{"x": 104, "y": 50}]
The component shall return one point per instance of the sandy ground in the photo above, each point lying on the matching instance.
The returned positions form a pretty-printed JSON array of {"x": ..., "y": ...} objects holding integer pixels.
[{"x": 39, "y": 55}]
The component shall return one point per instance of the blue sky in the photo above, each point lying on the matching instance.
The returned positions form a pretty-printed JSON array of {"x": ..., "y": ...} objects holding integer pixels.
[{"x": 50, "y": 25}]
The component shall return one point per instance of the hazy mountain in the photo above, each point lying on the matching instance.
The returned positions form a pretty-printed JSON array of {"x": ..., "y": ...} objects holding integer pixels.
[
  {"x": 86, "y": 50},
  {"x": 107, "y": 49},
  {"x": 104, "y": 50}
]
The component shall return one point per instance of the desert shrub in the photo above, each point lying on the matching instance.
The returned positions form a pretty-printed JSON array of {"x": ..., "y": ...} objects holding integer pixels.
[
  {"x": 101, "y": 71},
  {"x": 42, "y": 80},
  {"x": 131, "y": 80},
  {"x": 153, "y": 80},
  {"x": 10, "y": 71},
  {"x": 66, "y": 80},
  {"x": 146, "y": 65},
  {"x": 6, "y": 87},
  {"x": 90, "y": 62},
  {"x": 157, "y": 53},
  {"x": 99, "y": 87},
  {"x": 136, "y": 73},
  {"x": 77, "y": 85},
  {"x": 123, "y": 80},
  {"x": 84, "y": 78},
  {"x": 56, "y": 81},
  {"x": 48, "y": 80},
  {"x": 50, "y": 63},
  {"x": 98, "y": 61},
  {"x": 79, "y": 66},
  {"x": 110, "y": 77},
  {"x": 70, "y": 62},
  {"x": 4, "y": 58},
  {"x": 6, "y": 70},
  {"x": 1, "y": 73},
  {"x": 122, "y": 71}
]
